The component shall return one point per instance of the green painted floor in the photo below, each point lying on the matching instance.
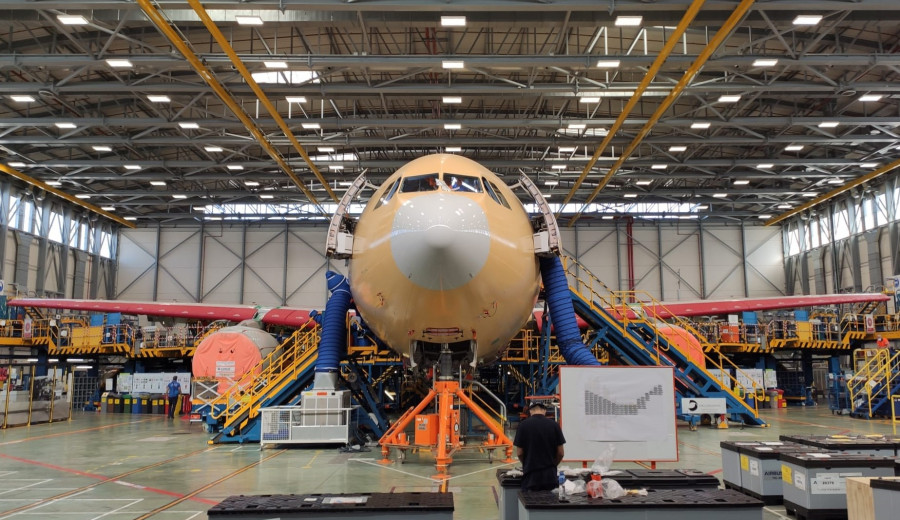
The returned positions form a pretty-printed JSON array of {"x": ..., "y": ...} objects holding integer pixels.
[{"x": 120, "y": 467}]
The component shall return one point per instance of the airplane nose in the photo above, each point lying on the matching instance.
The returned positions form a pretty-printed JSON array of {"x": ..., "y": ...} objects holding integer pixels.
[{"x": 440, "y": 241}]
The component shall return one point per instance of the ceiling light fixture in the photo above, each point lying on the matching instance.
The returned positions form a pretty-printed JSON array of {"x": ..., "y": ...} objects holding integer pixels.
[
  {"x": 567, "y": 149},
  {"x": 326, "y": 149},
  {"x": 659, "y": 166},
  {"x": 157, "y": 183},
  {"x": 765, "y": 166},
  {"x": 629, "y": 21},
  {"x": 453, "y": 149},
  {"x": 132, "y": 167},
  {"x": 65, "y": 125},
  {"x": 17, "y": 164},
  {"x": 765, "y": 62},
  {"x": 677, "y": 148},
  {"x": 311, "y": 126},
  {"x": 453, "y": 21},
  {"x": 870, "y": 97},
  {"x": 275, "y": 64},
  {"x": 248, "y": 20},
  {"x": 807, "y": 19},
  {"x": 235, "y": 167},
  {"x": 295, "y": 99},
  {"x": 452, "y": 126},
  {"x": 119, "y": 63},
  {"x": 700, "y": 126},
  {"x": 644, "y": 183},
  {"x": 251, "y": 184},
  {"x": 793, "y": 148},
  {"x": 72, "y": 19},
  {"x": 453, "y": 64},
  {"x": 53, "y": 183},
  {"x": 101, "y": 148},
  {"x": 82, "y": 196},
  {"x": 179, "y": 196},
  {"x": 213, "y": 148},
  {"x": 22, "y": 98},
  {"x": 828, "y": 124},
  {"x": 189, "y": 126},
  {"x": 589, "y": 100},
  {"x": 551, "y": 183},
  {"x": 158, "y": 99},
  {"x": 784, "y": 206},
  {"x": 451, "y": 100},
  {"x": 608, "y": 64},
  {"x": 558, "y": 166},
  {"x": 108, "y": 208},
  {"x": 741, "y": 182},
  {"x": 577, "y": 126},
  {"x": 869, "y": 165},
  {"x": 720, "y": 195},
  {"x": 267, "y": 196},
  {"x": 729, "y": 98},
  {"x": 630, "y": 195},
  {"x": 336, "y": 167}
]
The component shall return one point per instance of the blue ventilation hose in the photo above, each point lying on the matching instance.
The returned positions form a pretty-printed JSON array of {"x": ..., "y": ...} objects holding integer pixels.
[
  {"x": 334, "y": 323},
  {"x": 562, "y": 313}
]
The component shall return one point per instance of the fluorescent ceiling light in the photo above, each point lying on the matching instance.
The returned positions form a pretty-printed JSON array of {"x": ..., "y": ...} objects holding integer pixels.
[
  {"x": 108, "y": 208},
  {"x": 659, "y": 166},
  {"x": 546, "y": 195},
  {"x": 700, "y": 126},
  {"x": 452, "y": 126},
  {"x": 807, "y": 19},
  {"x": 551, "y": 183},
  {"x": 275, "y": 64},
  {"x": 765, "y": 166},
  {"x": 702, "y": 206},
  {"x": 810, "y": 194},
  {"x": 453, "y": 21},
  {"x": 345, "y": 183},
  {"x": 65, "y": 125},
  {"x": 132, "y": 166},
  {"x": 267, "y": 196},
  {"x": 589, "y": 100},
  {"x": 119, "y": 63},
  {"x": 130, "y": 218},
  {"x": 577, "y": 126},
  {"x": 157, "y": 183},
  {"x": 82, "y": 195},
  {"x": 158, "y": 99},
  {"x": 452, "y": 100},
  {"x": 677, "y": 148},
  {"x": 765, "y": 62},
  {"x": 608, "y": 64},
  {"x": 235, "y": 167},
  {"x": 784, "y": 206},
  {"x": 179, "y": 196},
  {"x": 17, "y": 164},
  {"x": 251, "y": 183},
  {"x": 326, "y": 149},
  {"x": 870, "y": 97},
  {"x": 835, "y": 181},
  {"x": 311, "y": 126},
  {"x": 644, "y": 183},
  {"x": 558, "y": 166},
  {"x": 628, "y": 21},
  {"x": 566, "y": 149},
  {"x": 729, "y": 98},
  {"x": 248, "y": 20},
  {"x": 213, "y": 148},
  {"x": 869, "y": 165},
  {"x": 101, "y": 148},
  {"x": 763, "y": 216},
  {"x": 53, "y": 183},
  {"x": 793, "y": 148},
  {"x": 453, "y": 149},
  {"x": 453, "y": 64},
  {"x": 189, "y": 126},
  {"x": 720, "y": 195},
  {"x": 607, "y": 217},
  {"x": 335, "y": 167},
  {"x": 828, "y": 124},
  {"x": 72, "y": 19},
  {"x": 22, "y": 98},
  {"x": 295, "y": 99},
  {"x": 630, "y": 195},
  {"x": 741, "y": 182}
]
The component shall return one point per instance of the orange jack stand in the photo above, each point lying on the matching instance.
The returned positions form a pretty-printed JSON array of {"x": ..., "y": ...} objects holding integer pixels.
[{"x": 448, "y": 394}]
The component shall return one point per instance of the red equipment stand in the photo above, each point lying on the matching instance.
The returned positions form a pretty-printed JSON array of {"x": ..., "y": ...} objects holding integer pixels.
[{"x": 449, "y": 397}]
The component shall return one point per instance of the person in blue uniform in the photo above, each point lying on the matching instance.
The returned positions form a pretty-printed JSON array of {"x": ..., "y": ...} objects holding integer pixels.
[
  {"x": 539, "y": 445},
  {"x": 173, "y": 390}
]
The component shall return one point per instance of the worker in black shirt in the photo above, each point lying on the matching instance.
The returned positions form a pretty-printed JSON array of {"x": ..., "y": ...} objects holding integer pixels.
[{"x": 539, "y": 446}]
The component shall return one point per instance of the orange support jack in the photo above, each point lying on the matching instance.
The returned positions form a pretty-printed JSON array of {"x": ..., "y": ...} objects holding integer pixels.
[{"x": 449, "y": 396}]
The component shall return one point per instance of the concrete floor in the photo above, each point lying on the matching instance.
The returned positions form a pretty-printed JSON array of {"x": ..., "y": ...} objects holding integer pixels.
[{"x": 120, "y": 467}]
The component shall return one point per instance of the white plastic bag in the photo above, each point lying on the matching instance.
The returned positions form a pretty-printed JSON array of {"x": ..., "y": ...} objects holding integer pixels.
[
  {"x": 612, "y": 489},
  {"x": 604, "y": 461}
]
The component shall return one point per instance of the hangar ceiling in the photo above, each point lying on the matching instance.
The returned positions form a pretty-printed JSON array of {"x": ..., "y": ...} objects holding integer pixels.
[{"x": 100, "y": 99}]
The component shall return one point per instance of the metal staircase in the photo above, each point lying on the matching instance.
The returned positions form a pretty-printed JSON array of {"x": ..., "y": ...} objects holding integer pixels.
[
  {"x": 277, "y": 380},
  {"x": 621, "y": 322},
  {"x": 874, "y": 383}
]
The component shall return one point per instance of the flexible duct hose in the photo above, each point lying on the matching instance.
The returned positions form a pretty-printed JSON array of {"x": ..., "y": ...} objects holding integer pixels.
[
  {"x": 568, "y": 337},
  {"x": 334, "y": 323}
]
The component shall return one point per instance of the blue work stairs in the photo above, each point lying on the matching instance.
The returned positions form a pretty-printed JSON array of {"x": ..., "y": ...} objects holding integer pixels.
[
  {"x": 875, "y": 384},
  {"x": 636, "y": 338}
]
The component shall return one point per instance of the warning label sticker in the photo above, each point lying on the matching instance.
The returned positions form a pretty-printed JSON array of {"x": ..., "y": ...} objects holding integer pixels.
[
  {"x": 786, "y": 474},
  {"x": 800, "y": 481},
  {"x": 745, "y": 463},
  {"x": 754, "y": 467}
]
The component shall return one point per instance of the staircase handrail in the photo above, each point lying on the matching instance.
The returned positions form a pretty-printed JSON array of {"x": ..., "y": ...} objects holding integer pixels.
[
  {"x": 258, "y": 382},
  {"x": 866, "y": 378}
]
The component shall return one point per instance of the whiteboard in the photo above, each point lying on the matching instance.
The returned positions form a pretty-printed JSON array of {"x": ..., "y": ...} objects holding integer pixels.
[{"x": 632, "y": 408}]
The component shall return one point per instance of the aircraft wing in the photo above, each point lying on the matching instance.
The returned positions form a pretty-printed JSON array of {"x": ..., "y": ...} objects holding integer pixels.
[
  {"x": 719, "y": 307},
  {"x": 291, "y": 317}
]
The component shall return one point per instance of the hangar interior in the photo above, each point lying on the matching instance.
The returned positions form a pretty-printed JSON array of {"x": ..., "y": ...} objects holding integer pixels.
[{"x": 186, "y": 152}]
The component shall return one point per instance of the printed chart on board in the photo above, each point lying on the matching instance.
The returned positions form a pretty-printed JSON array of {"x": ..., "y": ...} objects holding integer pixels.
[{"x": 632, "y": 408}]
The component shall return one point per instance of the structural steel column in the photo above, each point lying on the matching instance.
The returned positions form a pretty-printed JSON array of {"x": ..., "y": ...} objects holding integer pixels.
[
  {"x": 744, "y": 261},
  {"x": 78, "y": 278},
  {"x": 873, "y": 248},
  {"x": 23, "y": 257},
  {"x": 702, "y": 260},
  {"x": 43, "y": 248},
  {"x": 4, "y": 223}
]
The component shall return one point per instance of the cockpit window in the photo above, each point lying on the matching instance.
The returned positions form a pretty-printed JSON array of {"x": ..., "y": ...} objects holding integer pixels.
[
  {"x": 416, "y": 183},
  {"x": 388, "y": 193},
  {"x": 463, "y": 183},
  {"x": 495, "y": 194}
]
